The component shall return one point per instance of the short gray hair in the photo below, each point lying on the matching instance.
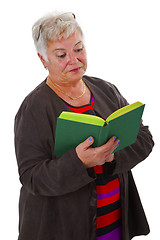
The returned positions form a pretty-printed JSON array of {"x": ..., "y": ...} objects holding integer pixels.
[{"x": 53, "y": 26}]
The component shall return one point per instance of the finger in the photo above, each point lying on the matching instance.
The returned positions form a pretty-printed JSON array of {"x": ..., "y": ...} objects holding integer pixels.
[
  {"x": 87, "y": 143},
  {"x": 109, "y": 145},
  {"x": 115, "y": 145},
  {"x": 110, "y": 157}
]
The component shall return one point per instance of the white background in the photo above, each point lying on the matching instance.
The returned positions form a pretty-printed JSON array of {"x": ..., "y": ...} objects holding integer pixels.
[{"x": 123, "y": 44}]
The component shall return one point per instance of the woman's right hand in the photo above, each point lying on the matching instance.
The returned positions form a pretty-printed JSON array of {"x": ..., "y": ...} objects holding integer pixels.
[{"x": 96, "y": 156}]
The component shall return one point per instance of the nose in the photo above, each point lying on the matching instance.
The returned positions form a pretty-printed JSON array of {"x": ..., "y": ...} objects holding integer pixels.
[{"x": 72, "y": 58}]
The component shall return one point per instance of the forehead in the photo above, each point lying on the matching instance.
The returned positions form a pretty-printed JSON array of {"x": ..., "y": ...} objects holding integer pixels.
[{"x": 70, "y": 42}]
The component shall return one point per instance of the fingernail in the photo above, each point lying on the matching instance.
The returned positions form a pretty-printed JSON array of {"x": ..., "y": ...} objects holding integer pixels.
[
  {"x": 114, "y": 138},
  {"x": 119, "y": 141},
  {"x": 90, "y": 139},
  {"x": 117, "y": 145}
]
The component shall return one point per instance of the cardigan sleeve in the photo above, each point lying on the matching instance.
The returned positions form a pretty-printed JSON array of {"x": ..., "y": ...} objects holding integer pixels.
[
  {"x": 40, "y": 172},
  {"x": 130, "y": 156}
]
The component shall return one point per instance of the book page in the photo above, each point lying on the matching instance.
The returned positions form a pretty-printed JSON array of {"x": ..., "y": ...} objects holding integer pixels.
[
  {"x": 124, "y": 110},
  {"x": 84, "y": 118}
]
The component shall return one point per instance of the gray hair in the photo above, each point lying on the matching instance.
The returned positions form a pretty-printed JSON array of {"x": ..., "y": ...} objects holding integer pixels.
[{"x": 53, "y": 27}]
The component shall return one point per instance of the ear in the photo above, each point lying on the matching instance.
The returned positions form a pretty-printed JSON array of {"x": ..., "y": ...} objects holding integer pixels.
[{"x": 42, "y": 60}]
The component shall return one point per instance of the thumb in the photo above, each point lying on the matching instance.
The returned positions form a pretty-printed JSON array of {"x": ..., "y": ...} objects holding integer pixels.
[{"x": 88, "y": 142}]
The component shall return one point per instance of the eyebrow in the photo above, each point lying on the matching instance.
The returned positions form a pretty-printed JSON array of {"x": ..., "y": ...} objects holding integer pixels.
[
  {"x": 78, "y": 43},
  {"x": 62, "y": 49}
]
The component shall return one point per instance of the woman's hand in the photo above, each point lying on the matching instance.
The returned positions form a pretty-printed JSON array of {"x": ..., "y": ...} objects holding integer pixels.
[{"x": 98, "y": 155}]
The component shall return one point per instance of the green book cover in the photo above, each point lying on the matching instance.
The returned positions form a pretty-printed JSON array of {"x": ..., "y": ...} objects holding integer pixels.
[{"x": 74, "y": 128}]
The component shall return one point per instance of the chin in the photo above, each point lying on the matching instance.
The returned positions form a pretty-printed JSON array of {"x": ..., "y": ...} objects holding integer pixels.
[{"x": 76, "y": 76}]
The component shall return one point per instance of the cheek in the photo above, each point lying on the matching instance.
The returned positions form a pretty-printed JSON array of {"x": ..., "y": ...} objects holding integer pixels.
[
  {"x": 83, "y": 58},
  {"x": 84, "y": 61},
  {"x": 58, "y": 66},
  {"x": 62, "y": 65}
]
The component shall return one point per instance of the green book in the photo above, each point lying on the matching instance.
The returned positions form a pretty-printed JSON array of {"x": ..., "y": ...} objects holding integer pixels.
[{"x": 74, "y": 128}]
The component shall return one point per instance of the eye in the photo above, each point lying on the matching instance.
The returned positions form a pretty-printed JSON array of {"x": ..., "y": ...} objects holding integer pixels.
[
  {"x": 78, "y": 50},
  {"x": 62, "y": 55}
]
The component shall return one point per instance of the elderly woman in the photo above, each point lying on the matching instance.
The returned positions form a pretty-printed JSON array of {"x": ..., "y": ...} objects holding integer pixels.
[{"x": 88, "y": 193}]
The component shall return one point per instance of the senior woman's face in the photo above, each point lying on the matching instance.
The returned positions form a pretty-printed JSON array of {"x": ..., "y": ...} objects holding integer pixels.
[{"x": 67, "y": 59}]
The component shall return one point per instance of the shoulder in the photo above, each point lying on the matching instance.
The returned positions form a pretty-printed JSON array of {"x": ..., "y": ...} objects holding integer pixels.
[
  {"x": 36, "y": 100},
  {"x": 38, "y": 95},
  {"x": 102, "y": 84},
  {"x": 103, "y": 88},
  {"x": 96, "y": 80}
]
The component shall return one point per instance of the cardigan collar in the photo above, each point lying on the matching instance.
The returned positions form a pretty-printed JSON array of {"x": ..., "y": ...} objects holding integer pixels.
[{"x": 101, "y": 99}]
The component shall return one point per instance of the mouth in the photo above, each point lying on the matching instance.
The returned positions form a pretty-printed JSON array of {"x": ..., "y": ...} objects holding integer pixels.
[{"x": 75, "y": 69}]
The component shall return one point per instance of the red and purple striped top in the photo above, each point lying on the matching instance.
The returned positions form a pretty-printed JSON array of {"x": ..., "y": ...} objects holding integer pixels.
[{"x": 108, "y": 194}]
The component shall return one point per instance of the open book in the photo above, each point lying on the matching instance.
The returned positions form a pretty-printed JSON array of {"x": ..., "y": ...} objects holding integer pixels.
[{"x": 74, "y": 128}]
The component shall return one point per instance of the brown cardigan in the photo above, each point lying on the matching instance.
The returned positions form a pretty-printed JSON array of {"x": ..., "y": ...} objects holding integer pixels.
[{"x": 58, "y": 195}]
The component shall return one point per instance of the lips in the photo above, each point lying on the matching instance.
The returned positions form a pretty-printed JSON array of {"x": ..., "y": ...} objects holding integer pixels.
[{"x": 75, "y": 69}]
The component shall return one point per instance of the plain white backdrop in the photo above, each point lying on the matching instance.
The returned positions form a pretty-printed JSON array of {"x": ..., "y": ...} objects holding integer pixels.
[{"x": 123, "y": 44}]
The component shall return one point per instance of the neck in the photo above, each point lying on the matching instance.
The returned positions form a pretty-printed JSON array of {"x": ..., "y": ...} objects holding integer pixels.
[
  {"x": 72, "y": 90},
  {"x": 65, "y": 83}
]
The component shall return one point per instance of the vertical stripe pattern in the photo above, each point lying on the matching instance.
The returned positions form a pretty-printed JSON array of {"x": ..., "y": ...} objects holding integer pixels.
[{"x": 108, "y": 194}]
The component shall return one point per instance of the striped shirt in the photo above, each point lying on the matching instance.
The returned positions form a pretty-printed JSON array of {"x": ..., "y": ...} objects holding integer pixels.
[{"x": 108, "y": 194}]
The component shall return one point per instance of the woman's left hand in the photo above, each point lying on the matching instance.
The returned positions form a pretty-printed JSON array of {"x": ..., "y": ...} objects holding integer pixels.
[{"x": 98, "y": 155}]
